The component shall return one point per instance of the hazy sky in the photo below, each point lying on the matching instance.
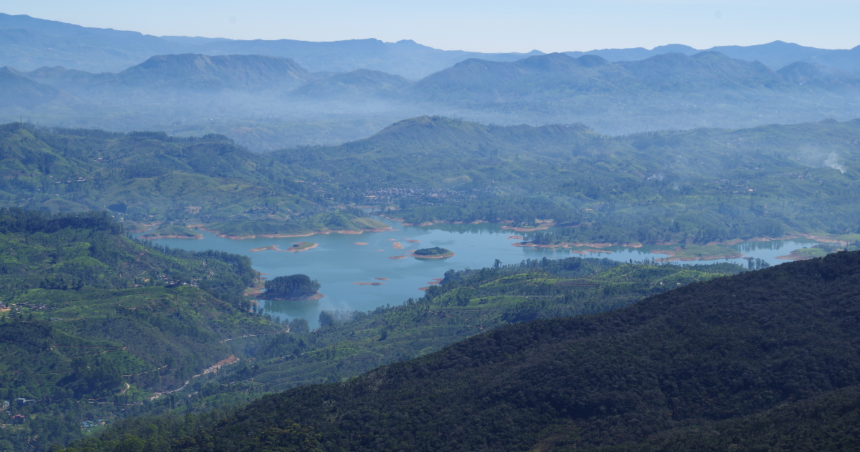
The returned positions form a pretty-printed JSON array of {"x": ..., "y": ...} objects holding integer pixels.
[{"x": 478, "y": 25}]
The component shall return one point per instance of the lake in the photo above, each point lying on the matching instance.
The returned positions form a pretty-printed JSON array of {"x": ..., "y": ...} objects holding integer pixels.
[{"x": 338, "y": 262}]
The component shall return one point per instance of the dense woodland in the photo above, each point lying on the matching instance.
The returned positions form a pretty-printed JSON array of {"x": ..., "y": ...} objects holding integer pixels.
[{"x": 758, "y": 360}]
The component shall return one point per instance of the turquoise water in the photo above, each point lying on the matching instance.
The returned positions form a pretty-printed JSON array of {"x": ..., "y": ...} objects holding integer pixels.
[{"x": 337, "y": 263}]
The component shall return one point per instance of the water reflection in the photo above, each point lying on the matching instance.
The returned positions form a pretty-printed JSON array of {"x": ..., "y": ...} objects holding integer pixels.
[{"x": 772, "y": 245}]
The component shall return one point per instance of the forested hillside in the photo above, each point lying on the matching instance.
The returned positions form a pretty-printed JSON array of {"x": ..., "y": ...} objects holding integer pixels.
[
  {"x": 149, "y": 178},
  {"x": 96, "y": 316},
  {"x": 767, "y": 344},
  {"x": 697, "y": 186},
  {"x": 91, "y": 316},
  {"x": 465, "y": 303}
]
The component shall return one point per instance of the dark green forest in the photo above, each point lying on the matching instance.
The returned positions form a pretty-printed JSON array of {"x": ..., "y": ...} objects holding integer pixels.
[{"x": 755, "y": 361}]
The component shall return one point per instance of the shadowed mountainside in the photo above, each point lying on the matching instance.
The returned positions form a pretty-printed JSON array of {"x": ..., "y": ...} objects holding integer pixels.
[{"x": 692, "y": 357}]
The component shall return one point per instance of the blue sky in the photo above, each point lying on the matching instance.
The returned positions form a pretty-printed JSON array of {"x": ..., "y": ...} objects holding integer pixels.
[{"x": 477, "y": 25}]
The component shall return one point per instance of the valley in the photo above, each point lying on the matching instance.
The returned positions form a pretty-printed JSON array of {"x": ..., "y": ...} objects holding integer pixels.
[
  {"x": 253, "y": 243},
  {"x": 703, "y": 187},
  {"x": 687, "y": 357},
  {"x": 285, "y": 97},
  {"x": 158, "y": 319}
]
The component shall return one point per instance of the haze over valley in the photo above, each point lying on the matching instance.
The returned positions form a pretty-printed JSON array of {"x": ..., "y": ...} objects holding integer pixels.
[
  {"x": 268, "y": 95},
  {"x": 230, "y": 244}
]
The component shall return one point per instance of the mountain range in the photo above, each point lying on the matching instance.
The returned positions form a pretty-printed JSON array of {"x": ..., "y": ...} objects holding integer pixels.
[
  {"x": 556, "y": 76},
  {"x": 268, "y": 95},
  {"x": 29, "y": 43},
  {"x": 269, "y": 102}
]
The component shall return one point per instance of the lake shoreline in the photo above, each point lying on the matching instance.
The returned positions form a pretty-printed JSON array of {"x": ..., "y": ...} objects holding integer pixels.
[
  {"x": 338, "y": 261},
  {"x": 288, "y": 236},
  {"x": 313, "y": 297},
  {"x": 171, "y": 236},
  {"x": 677, "y": 253}
]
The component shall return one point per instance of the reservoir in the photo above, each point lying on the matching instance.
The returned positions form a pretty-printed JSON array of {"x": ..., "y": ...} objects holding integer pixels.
[{"x": 342, "y": 260}]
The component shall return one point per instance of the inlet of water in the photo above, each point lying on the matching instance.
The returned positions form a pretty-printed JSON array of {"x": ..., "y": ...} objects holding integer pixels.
[{"x": 341, "y": 260}]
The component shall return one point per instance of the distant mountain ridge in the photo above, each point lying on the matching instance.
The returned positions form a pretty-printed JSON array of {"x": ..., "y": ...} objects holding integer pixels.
[
  {"x": 20, "y": 91},
  {"x": 558, "y": 76},
  {"x": 550, "y": 74},
  {"x": 270, "y": 95},
  {"x": 29, "y": 43},
  {"x": 666, "y": 91},
  {"x": 246, "y": 71},
  {"x": 817, "y": 75},
  {"x": 186, "y": 71}
]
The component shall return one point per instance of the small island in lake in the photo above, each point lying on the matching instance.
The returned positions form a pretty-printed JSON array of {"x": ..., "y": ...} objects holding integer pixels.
[
  {"x": 291, "y": 288},
  {"x": 432, "y": 253}
]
